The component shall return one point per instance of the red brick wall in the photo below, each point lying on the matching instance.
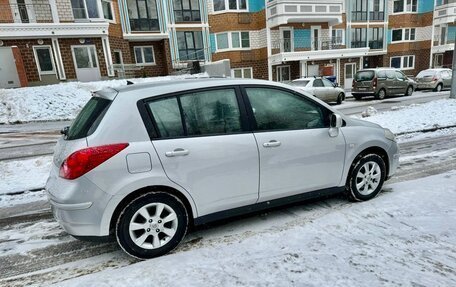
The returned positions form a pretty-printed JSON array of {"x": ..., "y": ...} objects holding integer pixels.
[
  {"x": 161, "y": 55},
  {"x": 20, "y": 67},
  {"x": 5, "y": 12}
]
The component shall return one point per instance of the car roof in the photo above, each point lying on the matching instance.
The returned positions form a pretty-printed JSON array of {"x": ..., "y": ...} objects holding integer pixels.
[
  {"x": 168, "y": 86},
  {"x": 306, "y": 79}
]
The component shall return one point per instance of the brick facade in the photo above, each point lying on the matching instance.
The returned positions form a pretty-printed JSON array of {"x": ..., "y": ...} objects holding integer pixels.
[
  {"x": 160, "y": 68},
  {"x": 21, "y": 72}
]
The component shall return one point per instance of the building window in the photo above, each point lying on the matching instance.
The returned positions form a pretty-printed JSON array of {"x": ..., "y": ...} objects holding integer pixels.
[
  {"x": 144, "y": 55},
  {"x": 107, "y": 10},
  {"x": 43, "y": 57},
  {"x": 359, "y": 37},
  {"x": 190, "y": 45},
  {"x": 376, "y": 38},
  {"x": 359, "y": 10},
  {"x": 233, "y": 40},
  {"x": 143, "y": 15},
  {"x": 187, "y": 11},
  {"x": 406, "y": 34},
  {"x": 405, "y": 6},
  {"x": 222, "y": 5},
  {"x": 377, "y": 12},
  {"x": 242, "y": 73},
  {"x": 283, "y": 74},
  {"x": 403, "y": 62},
  {"x": 438, "y": 60},
  {"x": 338, "y": 36},
  {"x": 85, "y": 9}
]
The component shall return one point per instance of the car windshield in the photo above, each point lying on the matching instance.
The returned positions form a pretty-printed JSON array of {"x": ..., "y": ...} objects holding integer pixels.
[
  {"x": 364, "y": 76},
  {"x": 300, "y": 83},
  {"x": 426, "y": 73}
]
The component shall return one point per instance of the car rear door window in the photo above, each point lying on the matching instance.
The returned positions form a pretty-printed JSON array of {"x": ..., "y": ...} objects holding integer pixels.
[
  {"x": 167, "y": 117},
  {"x": 211, "y": 112},
  {"x": 275, "y": 109},
  {"x": 318, "y": 83}
]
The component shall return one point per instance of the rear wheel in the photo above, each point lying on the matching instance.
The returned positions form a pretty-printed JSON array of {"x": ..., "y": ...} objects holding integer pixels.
[
  {"x": 381, "y": 94},
  {"x": 340, "y": 98},
  {"x": 366, "y": 178},
  {"x": 409, "y": 91},
  {"x": 438, "y": 88},
  {"x": 152, "y": 225},
  {"x": 357, "y": 97}
]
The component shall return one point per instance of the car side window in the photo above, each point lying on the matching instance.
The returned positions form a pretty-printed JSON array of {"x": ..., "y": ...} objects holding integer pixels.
[
  {"x": 211, "y": 112},
  {"x": 167, "y": 117},
  {"x": 275, "y": 109},
  {"x": 390, "y": 74},
  {"x": 399, "y": 75},
  {"x": 318, "y": 83},
  {"x": 381, "y": 74},
  {"x": 327, "y": 83}
]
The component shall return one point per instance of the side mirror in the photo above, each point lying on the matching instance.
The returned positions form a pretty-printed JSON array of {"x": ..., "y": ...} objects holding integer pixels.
[
  {"x": 335, "y": 121},
  {"x": 64, "y": 131},
  {"x": 335, "y": 85}
]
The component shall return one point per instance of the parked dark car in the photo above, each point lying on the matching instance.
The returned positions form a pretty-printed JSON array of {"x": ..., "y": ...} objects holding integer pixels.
[
  {"x": 434, "y": 79},
  {"x": 381, "y": 82}
]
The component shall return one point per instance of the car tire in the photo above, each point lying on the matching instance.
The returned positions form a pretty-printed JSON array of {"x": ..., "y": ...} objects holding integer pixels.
[
  {"x": 358, "y": 98},
  {"x": 381, "y": 94},
  {"x": 144, "y": 236},
  {"x": 409, "y": 91},
  {"x": 340, "y": 98},
  {"x": 366, "y": 177},
  {"x": 438, "y": 88}
]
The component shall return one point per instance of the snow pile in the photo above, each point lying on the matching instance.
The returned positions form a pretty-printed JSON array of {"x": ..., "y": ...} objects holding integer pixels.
[
  {"x": 370, "y": 111},
  {"x": 418, "y": 117},
  {"x": 22, "y": 175},
  {"x": 57, "y": 102},
  {"x": 375, "y": 243}
]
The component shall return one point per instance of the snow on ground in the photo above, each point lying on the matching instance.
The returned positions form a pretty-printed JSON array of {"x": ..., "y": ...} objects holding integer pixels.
[
  {"x": 57, "y": 102},
  {"x": 375, "y": 243},
  {"x": 417, "y": 117},
  {"x": 24, "y": 174}
]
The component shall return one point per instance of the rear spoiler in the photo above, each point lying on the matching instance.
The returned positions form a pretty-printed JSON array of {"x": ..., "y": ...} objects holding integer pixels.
[{"x": 107, "y": 93}]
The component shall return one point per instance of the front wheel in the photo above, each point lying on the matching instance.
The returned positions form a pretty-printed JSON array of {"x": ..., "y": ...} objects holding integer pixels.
[
  {"x": 409, "y": 91},
  {"x": 152, "y": 225},
  {"x": 366, "y": 178},
  {"x": 438, "y": 88}
]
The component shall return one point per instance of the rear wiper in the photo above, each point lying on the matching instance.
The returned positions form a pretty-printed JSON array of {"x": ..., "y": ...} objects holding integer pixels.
[{"x": 64, "y": 131}]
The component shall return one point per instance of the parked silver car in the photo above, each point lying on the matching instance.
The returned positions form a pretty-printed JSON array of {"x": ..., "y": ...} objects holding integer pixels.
[
  {"x": 321, "y": 88},
  {"x": 146, "y": 161},
  {"x": 434, "y": 79}
]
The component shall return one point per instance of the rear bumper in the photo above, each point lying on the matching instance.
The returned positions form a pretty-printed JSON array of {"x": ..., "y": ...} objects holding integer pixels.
[
  {"x": 362, "y": 93},
  {"x": 77, "y": 205}
]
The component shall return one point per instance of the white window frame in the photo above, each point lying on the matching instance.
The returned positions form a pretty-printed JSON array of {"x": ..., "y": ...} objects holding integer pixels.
[
  {"x": 342, "y": 37},
  {"x": 291, "y": 29},
  {"x": 112, "y": 11},
  {"x": 53, "y": 72},
  {"x": 404, "y": 9},
  {"x": 279, "y": 68},
  {"x": 231, "y": 10},
  {"x": 142, "y": 55},
  {"x": 243, "y": 72},
  {"x": 404, "y": 59},
  {"x": 403, "y": 35},
  {"x": 230, "y": 41},
  {"x": 100, "y": 12}
]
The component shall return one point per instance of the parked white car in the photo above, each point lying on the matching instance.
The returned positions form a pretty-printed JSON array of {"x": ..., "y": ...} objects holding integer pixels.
[{"x": 321, "y": 88}]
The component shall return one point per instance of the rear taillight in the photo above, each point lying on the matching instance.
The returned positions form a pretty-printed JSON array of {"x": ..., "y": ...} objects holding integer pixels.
[
  {"x": 374, "y": 83},
  {"x": 82, "y": 161}
]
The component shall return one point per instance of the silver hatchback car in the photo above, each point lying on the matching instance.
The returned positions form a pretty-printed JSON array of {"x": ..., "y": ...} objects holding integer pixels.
[{"x": 144, "y": 162}]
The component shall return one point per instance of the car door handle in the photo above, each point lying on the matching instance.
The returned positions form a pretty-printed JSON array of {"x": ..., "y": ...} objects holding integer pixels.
[
  {"x": 272, "y": 143},
  {"x": 177, "y": 152}
]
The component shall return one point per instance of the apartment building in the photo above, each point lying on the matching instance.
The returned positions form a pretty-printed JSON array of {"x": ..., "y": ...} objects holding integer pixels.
[{"x": 280, "y": 40}]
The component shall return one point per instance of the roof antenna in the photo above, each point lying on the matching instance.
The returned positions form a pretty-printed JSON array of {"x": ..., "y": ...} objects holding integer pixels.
[{"x": 129, "y": 83}]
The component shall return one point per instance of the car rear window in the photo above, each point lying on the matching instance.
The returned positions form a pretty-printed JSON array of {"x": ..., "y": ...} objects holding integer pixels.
[
  {"x": 364, "y": 76},
  {"x": 424, "y": 74},
  {"x": 88, "y": 118},
  {"x": 300, "y": 83}
]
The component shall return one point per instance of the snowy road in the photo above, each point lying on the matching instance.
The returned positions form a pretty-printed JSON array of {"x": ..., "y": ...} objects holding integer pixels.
[{"x": 42, "y": 253}]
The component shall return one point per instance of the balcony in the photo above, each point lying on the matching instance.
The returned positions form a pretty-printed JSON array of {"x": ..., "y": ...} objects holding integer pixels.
[
  {"x": 25, "y": 13},
  {"x": 306, "y": 11},
  {"x": 443, "y": 44},
  {"x": 303, "y": 49},
  {"x": 444, "y": 14},
  {"x": 376, "y": 44}
]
